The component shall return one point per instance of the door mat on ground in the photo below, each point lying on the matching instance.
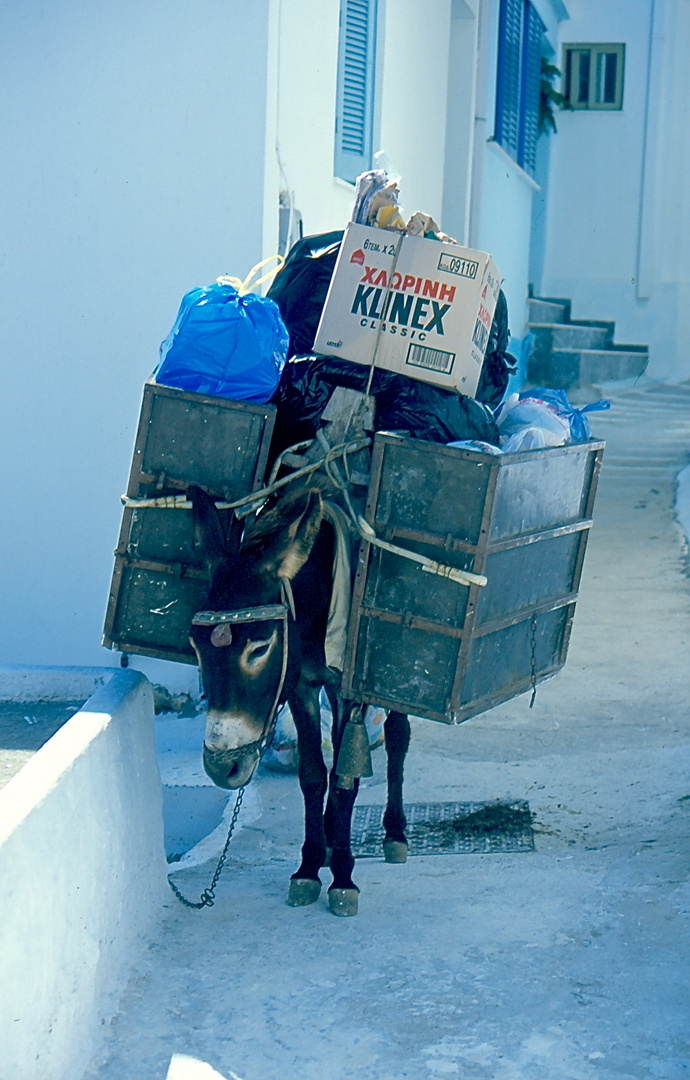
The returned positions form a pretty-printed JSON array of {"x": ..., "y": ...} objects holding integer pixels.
[{"x": 449, "y": 829}]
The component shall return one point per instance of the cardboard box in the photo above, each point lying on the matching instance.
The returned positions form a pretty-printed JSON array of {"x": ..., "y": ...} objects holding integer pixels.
[{"x": 426, "y": 314}]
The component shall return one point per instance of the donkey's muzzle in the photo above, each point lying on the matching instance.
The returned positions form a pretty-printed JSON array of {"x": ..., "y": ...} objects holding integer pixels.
[{"x": 230, "y": 769}]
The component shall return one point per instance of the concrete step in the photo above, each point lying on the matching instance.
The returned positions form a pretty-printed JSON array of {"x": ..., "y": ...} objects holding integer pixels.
[
  {"x": 577, "y": 353},
  {"x": 566, "y": 368},
  {"x": 558, "y": 336},
  {"x": 548, "y": 311}
]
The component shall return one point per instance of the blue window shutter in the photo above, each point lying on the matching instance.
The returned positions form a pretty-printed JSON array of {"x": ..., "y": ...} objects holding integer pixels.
[
  {"x": 533, "y": 34},
  {"x": 508, "y": 83},
  {"x": 520, "y": 37},
  {"x": 354, "y": 129}
]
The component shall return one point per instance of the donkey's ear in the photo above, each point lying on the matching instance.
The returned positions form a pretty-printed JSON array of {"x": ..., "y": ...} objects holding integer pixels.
[
  {"x": 287, "y": 533},
  {"x": 302, "y": 533},
  {"x": 208, "y": 530}
]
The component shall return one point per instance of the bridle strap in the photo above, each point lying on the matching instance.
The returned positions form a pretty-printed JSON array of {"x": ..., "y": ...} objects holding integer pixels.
[{"x": 242, "y": 615}]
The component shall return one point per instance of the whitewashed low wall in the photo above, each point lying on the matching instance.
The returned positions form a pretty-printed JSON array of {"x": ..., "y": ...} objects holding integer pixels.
[
  {"x": 82, "y": 880},
  {"x": 28, "y": 682}
]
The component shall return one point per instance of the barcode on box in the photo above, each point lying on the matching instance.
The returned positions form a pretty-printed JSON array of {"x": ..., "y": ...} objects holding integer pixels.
[{"x": 431, "y": 359}]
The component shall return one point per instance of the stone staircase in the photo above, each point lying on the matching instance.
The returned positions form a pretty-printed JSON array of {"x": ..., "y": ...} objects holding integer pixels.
[{"x": 570, "y": 354}]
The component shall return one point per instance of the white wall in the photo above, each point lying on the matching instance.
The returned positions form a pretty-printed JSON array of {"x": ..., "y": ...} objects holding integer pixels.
[
  {"x": 505, "y": 227},
  {"x": 668, "y": 252},
  {"x": 414, "y": 88},
  {"x": 596, "y": 162},
  {"x": 301, "y": 112},
  {"x": 502, "y": 197},
  {"x": 463, "y": 45},
  {"x": 132, "y": 170},
  {"x": 411, "y": 91},
  {"x": 139, "y": 161},
  {"x": 84, "y": 879},
  {"x": 619, "y": 201}
]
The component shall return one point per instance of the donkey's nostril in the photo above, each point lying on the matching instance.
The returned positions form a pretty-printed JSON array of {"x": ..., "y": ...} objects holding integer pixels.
[{"x": 234, "y": 773}]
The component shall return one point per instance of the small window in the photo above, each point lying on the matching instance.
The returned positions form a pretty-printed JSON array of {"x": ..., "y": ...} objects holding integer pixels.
[
  {"x": 354, "y": 123},
  {"x": 593, "y": 76}
]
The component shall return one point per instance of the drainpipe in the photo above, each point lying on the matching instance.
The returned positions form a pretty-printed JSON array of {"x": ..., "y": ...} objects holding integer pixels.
[
  {"x": 484, "y": 39},
  {"x": 646, "y": 224}
]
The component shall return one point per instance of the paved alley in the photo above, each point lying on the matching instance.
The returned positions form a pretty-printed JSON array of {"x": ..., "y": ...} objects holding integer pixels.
[{"x": 564, "y": 963}]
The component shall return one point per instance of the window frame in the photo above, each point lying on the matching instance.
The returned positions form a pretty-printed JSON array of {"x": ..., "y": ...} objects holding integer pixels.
[{"x": 573, "y": 52}]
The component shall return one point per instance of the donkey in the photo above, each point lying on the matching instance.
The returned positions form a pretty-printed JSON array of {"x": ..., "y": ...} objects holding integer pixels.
[{"x": 257, "y": 647}]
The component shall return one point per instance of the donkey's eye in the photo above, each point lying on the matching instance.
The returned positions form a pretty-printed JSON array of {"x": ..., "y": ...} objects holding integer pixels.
[
  {"x": 258, "y": 649},
  {"x": 256, "y": 653}
]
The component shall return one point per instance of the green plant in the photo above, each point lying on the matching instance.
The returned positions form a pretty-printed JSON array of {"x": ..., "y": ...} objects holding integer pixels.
[{"x": 549, "y": 98}]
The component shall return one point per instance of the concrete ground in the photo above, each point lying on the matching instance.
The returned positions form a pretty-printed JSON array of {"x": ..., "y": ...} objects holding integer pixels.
[
  {"x": 25, "y": 726},
  {"x": 566, "y": 963}
]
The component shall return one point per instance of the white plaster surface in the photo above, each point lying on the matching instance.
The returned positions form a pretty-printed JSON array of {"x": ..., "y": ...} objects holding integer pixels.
[
  {"x": 29, "y": 682},
  {"x": 562, "y": 964},
  {"x": 616, "y": 244},
  {"x": 683, "y": 501},
  {"x": 133, "y": 141},
  {"x": 141, "y": 147},
  {"x": 83, "y": 877},
  {"x": 183, "y": 1067}
]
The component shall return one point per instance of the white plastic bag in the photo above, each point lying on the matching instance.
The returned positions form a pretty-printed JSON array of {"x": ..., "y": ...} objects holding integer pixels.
[{"x": 532, "y": 424}]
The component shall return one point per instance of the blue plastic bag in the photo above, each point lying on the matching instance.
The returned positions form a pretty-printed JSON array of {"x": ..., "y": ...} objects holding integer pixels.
[
  {"x": 580, "y": 430},
  {"x": 226, "y": 342}
]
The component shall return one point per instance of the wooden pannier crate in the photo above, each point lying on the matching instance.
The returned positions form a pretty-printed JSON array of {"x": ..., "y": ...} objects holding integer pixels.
[
  {"x": 425, "y": 645},
  {"x": 159, "y": 579}
]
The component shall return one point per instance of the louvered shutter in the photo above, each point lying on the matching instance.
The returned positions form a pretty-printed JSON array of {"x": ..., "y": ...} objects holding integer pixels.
[
  {"x": 531, "y": 78},
  {"x": 355, "y": 99},
  {"x": 507, "y": 129}
]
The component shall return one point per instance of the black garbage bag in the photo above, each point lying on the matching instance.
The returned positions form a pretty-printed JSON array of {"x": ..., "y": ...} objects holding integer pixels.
[
  {"x": 498, "y": 362},
  {"x": 404, "y": 405},
  {"x": 300, "y": 288}
]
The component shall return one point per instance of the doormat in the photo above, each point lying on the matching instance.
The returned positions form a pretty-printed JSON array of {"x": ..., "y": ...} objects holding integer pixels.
[{"x": 448, "y": 829}]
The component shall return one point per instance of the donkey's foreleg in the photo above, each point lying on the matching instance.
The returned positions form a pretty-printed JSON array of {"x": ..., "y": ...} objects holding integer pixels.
[
  {"x": 343, "y": 894},
  {"x": 397, "y": 731},
  {"x": 305, "y": 884}
]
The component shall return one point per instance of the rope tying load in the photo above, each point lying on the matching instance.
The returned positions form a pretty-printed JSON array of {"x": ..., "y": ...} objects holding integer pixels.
[{"x": 243, "y": 507}]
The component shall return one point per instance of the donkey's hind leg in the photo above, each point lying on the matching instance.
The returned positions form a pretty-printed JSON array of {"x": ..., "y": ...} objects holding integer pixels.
[{"x": 397, "y": 730}]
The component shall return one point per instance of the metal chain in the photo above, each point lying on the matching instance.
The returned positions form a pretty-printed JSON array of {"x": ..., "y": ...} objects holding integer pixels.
[
  {"x": 208, "y": 896},
  {"x": 533, "y": 658}
]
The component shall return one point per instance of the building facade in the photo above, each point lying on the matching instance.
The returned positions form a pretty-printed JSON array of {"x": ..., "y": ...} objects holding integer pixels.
[{"x": 149, "y": 148}]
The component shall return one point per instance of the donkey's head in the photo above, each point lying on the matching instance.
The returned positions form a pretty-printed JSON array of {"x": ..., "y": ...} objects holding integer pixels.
[{"x": 246, "y": 641}]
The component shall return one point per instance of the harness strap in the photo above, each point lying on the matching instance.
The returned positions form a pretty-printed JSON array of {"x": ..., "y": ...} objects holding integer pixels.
[{"x": 242, "y": 615}]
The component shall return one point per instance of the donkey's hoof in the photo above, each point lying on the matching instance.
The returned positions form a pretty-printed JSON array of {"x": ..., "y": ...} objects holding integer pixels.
[
  {"x": 303, "y": 891},
  {"x": 343, "y": 901},
  {"x": 395, "y": 851}
]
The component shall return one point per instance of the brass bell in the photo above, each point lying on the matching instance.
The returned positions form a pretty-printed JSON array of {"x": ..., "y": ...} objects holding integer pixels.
[{"x": 354, "y": 756}]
